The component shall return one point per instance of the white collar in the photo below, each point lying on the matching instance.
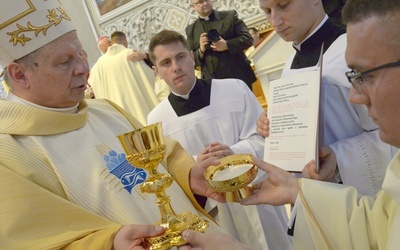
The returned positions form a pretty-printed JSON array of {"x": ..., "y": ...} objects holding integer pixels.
[
  {"x": 186, "y": 96},
  {"x": 298, "y": 46}
]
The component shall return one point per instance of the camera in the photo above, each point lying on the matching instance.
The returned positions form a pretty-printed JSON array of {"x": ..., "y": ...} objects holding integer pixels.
[{"x": 213, "y": 35}]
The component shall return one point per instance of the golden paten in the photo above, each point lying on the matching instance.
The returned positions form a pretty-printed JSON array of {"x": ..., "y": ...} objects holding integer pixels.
[
  {"x": 145, "y": 149},
  {"x": 232, "y": 177}
]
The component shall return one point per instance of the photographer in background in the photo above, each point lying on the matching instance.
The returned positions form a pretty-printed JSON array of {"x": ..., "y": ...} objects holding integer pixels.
[{"x": 218, "y": 40}]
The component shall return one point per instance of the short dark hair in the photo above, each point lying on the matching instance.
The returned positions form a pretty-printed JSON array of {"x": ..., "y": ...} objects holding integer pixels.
[
  {"x": 166, "y": 37},
  {"x": 355, "y": 11},
  {"x": 118, "y": 37}
]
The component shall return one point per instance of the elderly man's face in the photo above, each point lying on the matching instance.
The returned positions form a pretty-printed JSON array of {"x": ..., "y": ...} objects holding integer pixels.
[
  {"x": 372, "y": 43},
  {"x": 58, "y": 77}
]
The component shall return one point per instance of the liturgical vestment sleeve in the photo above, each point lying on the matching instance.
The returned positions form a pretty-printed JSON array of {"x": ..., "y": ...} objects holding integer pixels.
[{"x": 332, "y": 216}]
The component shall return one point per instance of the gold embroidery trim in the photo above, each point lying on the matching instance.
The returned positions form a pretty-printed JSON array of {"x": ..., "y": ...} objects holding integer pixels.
[
  {"x": 18, "y": 36},
  {"x": 19, "y": 16}
]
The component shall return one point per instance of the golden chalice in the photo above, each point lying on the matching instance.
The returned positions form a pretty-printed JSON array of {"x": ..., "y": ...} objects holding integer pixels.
[
  {"x": 232, "y": 177},
  {"x": 145, "y": 149}
]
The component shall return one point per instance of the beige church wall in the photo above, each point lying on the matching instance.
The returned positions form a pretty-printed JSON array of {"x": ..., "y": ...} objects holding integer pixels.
[
  {"x": 81, "y": 17},
  {"x": 141, "y": 19}
]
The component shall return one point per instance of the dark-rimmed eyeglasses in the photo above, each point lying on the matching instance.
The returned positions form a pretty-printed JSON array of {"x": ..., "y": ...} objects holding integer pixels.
[
  {"x": 200, "y": 2},
  {"x": 356, "y": 79}
]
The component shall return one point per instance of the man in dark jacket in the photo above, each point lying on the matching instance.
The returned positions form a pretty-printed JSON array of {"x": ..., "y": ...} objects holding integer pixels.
[{"x": 218, "y": 39}]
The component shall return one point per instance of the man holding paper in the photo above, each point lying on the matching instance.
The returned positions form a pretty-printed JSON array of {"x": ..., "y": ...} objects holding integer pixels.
[{"x": 361, "y": 156}]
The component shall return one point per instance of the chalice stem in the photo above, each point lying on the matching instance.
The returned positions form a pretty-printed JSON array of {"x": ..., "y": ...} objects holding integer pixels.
[{"x": 168, "y": 216}]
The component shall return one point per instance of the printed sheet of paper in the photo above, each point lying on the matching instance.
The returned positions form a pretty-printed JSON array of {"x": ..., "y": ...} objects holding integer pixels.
[{"x": 293, "y": 106}]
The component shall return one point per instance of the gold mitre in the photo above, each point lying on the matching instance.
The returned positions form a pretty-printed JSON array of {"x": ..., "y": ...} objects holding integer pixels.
[{"x": 27, "y": 25}]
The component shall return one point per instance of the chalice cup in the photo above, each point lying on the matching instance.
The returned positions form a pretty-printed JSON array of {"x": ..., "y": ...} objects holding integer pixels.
[
  {"x": 145, "y": 148},
  {"x": 232, "y": 177}
]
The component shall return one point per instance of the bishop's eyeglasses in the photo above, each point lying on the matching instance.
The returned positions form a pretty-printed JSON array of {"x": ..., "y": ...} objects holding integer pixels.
[{"x": 356, "y": 79}]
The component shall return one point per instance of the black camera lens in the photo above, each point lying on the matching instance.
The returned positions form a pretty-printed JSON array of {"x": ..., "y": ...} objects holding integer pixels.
[{"x": 213, "y": 36}]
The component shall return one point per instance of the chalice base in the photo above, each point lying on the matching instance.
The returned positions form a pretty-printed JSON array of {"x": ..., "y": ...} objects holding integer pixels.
[{"x": 173, "y": 235}]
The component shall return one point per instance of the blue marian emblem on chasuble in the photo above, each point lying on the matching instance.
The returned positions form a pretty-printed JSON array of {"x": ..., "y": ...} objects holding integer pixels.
[{"x": 129, "y": 175}]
